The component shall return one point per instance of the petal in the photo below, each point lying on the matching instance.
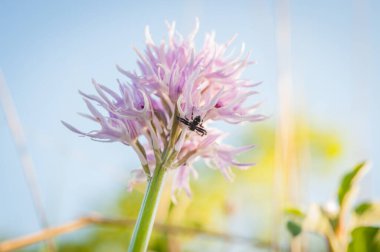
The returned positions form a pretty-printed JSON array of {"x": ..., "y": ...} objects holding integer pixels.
[
  {"x": 94, "y": 111},
  {"x": 148, "y": 36},
  {"x": 72, "y": 128}
]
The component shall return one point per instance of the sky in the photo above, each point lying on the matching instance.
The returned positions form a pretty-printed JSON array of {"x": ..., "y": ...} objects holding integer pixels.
[{"x": 49, "y": 50}]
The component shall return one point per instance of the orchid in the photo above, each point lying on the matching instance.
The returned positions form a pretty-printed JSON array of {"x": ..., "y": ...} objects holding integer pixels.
[{"x": 175, "y": 80}]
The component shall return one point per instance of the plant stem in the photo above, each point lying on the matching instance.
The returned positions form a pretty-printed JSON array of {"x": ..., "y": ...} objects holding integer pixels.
[{"x": 145, "y": 220}]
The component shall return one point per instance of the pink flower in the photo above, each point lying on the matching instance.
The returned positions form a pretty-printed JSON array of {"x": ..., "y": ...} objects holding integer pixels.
[{"x": 176, "y": 92}]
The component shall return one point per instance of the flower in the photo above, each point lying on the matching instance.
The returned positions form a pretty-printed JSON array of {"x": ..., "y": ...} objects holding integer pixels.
[{"x": 175, "y": 80}]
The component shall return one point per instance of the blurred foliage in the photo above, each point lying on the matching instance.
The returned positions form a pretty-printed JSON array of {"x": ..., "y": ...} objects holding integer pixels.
[
  {"x": 365, "y": 239},
  {"x": 294, "y": 212},
  {"x": 241, "y": 207},
  {"x": 348, "y": 183},
  {"x": 348, "y": 228},
  {"x": 294, "y": 228},
  {"x": 362, "y": 208}
]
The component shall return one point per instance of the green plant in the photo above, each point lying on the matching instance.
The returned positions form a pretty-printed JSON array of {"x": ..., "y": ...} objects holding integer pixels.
[{"x": 350, "y": 228}]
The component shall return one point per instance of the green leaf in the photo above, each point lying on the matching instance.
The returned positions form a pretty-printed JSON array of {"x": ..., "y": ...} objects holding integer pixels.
[
  {"x": 362, "y": 208},
  {"x": 294, "y": 228},
  {"x": 294, "y": 212},
  {"x": 348, "y": 181},
  {"x": 365, "y": 239},
  {"x": 367, "y": 214}
]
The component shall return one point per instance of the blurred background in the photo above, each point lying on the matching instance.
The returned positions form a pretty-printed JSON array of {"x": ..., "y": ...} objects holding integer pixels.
[{"x": 318, "y": 62}]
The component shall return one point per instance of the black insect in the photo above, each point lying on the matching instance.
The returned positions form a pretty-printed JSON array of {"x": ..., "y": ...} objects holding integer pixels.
[{"x": 195, "y": 124}]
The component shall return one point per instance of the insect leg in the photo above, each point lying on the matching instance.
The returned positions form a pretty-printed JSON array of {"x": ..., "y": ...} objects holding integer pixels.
[
  {"x": 182, "y": 120},
  {"x": 201, "y": 131}
]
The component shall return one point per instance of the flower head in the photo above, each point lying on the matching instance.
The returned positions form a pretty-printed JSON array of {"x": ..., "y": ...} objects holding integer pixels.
[{"x": 175, "y": 80}]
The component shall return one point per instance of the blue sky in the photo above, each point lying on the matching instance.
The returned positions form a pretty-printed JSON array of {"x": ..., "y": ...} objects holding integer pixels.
[{"x": 49, "y": 50}]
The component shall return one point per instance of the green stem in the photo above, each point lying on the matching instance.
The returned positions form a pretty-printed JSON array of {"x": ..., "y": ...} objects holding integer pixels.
[
  {"x": 143, "y": 229},
  {"x": 144, "y": 225}
]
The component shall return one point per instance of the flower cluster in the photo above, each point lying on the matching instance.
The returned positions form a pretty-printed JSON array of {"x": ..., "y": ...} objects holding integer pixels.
[{"x": 175, "y": 81}]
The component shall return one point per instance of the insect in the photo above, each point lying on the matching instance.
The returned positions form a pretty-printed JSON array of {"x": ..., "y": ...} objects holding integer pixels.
[{"x": 195, "y": 124}]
